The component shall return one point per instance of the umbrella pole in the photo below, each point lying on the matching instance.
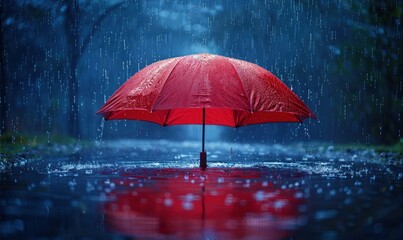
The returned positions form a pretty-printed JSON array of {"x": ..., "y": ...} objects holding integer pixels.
[
  {"x": 203, "y": 154},
  {"x": 203, "y": 128}
]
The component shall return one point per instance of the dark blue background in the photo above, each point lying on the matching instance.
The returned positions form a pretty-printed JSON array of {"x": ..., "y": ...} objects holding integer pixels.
[{"x": 341, "y": 58}]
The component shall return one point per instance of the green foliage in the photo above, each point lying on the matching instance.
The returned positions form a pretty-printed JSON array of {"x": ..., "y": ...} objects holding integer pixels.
[
  {"x": 14, "y": 144},
  {"x": 398, "y": 147},
  {"x": 10, "y": 144},
  {"x": 370, "y": 61},
  {"x": 393, "y": 148}
]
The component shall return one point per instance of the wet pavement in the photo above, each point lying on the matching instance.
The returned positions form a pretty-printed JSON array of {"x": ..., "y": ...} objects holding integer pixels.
[{"x": 155, "y": 190}]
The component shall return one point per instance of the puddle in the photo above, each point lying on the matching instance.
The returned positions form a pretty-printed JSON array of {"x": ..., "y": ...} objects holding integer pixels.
[{"x": 155, "y": 190}]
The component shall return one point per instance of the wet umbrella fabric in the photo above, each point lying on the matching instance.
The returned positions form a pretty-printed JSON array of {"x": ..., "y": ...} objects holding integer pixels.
[{"x": 205, "y": 89}]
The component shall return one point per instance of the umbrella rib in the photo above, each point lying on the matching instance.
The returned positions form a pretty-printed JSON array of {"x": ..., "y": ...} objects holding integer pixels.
[
  {"x": 167, "y": 117},
  {"x": 163, "y": 85},
  {"x": 243, "y": 87},
  {"x": 236, "y": 124}
]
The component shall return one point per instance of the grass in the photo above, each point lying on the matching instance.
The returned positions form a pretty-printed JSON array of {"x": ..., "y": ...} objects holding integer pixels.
[
  {"x": 395, "y": 148},
  {"x": 391, "y": 154},
  {"x": 15, "y": 144}
]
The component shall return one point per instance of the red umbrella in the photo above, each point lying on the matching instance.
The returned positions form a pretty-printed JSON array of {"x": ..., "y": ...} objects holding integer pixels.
[
  {"x": 205, "y": 89},
  {"x": 183, "y": 204}
]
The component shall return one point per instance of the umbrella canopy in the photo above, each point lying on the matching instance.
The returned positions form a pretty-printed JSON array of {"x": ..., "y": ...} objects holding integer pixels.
[
  {"x": 184, "y": 204},
  {"x": 205, "y": 89},
  {"x": 233, "y": 93}
]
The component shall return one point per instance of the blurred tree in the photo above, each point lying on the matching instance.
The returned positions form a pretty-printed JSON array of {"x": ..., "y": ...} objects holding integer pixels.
[
  {"x": 35, "y": 64},
  {"x": 374, "y": 96},
  {"x": 3, "y": 80},
  {"x": 76, "y": 46},
  {"x": 365, "y": 41},
  {"x": 35, "y": 51},
  {"x": 387, "y": 66}
]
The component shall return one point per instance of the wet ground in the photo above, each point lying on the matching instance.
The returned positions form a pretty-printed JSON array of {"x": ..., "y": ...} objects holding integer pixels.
[{"x": 155, "y": 190}]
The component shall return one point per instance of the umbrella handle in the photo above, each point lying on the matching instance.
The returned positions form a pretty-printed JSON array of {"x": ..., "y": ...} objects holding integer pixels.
[
  {"x": 203, "y": 154},
  {"x": 203, "y": 160}
]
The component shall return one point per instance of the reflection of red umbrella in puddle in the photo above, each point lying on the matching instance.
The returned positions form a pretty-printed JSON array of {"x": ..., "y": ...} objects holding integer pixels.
[
  {"x": 223, "y": 204},
  {"x": 205, "y": 89}
]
